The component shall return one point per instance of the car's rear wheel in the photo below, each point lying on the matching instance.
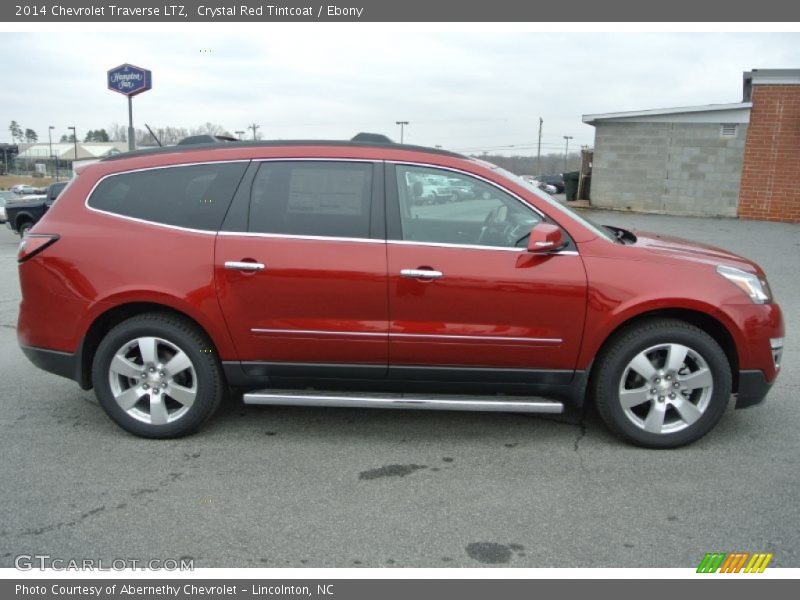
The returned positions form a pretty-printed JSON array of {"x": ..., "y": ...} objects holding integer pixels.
[
  {"x": 24, "y": 228},
  {"x": 662, "y": 383},
  {"x": 157, "y": 376}
]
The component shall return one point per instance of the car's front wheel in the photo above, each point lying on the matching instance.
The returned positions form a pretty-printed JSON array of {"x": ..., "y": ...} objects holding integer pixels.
[
  {"x": 156, "y": 376},
  {"x": 662, "y": 383}
]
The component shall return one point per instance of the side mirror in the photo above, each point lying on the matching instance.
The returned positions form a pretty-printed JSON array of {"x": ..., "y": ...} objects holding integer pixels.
[{"x": 545, "y": 237}]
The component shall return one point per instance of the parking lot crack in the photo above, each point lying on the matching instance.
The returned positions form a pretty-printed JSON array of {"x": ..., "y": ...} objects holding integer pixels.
[
  {"x": 47, "y": 528},
  {"x": 576, "y": 444}
]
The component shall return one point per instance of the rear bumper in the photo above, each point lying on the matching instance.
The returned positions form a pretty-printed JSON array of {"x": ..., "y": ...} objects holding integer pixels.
[
  {"x": 753, "y": 388},
  {"x": 64, "y": 364}
]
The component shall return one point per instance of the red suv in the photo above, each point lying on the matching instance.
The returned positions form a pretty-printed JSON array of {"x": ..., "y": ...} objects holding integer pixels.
[{"x": 313, "y": 273}]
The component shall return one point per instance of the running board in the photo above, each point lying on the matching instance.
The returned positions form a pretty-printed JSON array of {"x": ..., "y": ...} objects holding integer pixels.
[{"x": 515, "y": 404}]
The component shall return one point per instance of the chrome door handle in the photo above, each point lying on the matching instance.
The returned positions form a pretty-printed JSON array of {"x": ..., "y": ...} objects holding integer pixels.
[
  {"x": 235, "y": 265},
  {"x": 421, "y": 274}
]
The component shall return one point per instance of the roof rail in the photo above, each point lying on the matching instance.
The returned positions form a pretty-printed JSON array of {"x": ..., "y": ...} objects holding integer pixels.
[
  {"x": 206, "y": 139},
  {"x": 188, "y": 145}
]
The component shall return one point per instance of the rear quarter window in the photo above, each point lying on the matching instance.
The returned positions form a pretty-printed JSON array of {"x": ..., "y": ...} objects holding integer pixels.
[{"x": 192, "y": 196}]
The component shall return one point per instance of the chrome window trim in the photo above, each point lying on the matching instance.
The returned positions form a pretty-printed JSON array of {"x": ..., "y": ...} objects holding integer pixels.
[
  {"x": 292, "y": 236},
  {"x": 493, "y": 338},
  {"x": 449, "y": 245},
  {"x": 315, "y": 237},
  {"x": 325, "y": 238},
  {"x": 147, "y": 221}
]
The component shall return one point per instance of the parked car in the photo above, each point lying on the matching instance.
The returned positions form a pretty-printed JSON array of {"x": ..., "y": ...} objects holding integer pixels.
[
  {"x": 545, "y": 187},
  {"x": 23, "y": 213},
  {"x": 5, "y": 196},
  {"x": 22, "y": 188},
  {"x": 556, "y": 181},
  {"x": 303, "y": 273}
]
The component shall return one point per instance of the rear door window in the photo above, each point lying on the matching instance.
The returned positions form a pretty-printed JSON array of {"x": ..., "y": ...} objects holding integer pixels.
[
  {"x": 192, "y": 196},
  {"x": 313, "y": 198}
]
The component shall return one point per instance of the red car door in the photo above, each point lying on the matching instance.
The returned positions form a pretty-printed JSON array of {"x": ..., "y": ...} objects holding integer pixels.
[
  {"x": 466, "y": 299},
  {"x": 304, "y": 285}
]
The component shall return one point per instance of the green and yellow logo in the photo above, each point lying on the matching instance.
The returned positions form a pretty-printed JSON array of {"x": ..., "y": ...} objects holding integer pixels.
[{"x": 735, "y": 562}]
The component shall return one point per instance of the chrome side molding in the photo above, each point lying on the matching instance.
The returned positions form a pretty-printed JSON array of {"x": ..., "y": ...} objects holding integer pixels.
[{"x": 511, "y": 404}]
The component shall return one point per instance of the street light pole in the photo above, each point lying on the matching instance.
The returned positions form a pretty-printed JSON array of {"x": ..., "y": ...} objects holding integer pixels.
[
  {"x": 50, "y": 140},
  {"x": 239, "y": 134},
  {"x": 131, "y": 130},
  {"x": 566, "y": 151},
  {"x": 254, "y": 126},
  {"x": 402, "y": 126}
]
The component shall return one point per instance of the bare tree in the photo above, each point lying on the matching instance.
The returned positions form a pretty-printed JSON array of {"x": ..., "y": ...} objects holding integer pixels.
[
  {"x": 210, "y": 129},
  {"x": 167, "y": 135},
  {"x": 118, "y": 133}
]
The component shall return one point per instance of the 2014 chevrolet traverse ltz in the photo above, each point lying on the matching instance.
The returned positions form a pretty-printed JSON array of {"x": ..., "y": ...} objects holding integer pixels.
[{"x": 315, "y": 273}]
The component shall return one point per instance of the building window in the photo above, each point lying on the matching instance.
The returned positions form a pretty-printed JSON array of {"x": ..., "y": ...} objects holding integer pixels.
[{"x": 728, "y": 130}]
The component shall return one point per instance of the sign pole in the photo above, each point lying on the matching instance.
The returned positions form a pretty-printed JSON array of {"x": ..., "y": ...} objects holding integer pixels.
[
  {"x": 131, "y": 132},
  {"x": 129, "y": 80}
]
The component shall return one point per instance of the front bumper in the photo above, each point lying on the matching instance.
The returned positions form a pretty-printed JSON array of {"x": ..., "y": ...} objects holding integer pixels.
[{"x": 753, "y": 388}]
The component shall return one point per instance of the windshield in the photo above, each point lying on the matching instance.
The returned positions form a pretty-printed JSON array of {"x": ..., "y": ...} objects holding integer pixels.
[{"x": 597, "y": 229}]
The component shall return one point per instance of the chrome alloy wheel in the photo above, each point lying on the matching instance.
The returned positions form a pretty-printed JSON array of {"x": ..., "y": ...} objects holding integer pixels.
[
  {"x": 665, "y": 388},
  {"x": 153, "y": 380}
]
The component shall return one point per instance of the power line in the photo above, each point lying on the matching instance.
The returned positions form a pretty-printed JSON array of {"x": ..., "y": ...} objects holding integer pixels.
[{"x": 553, "y": 146}]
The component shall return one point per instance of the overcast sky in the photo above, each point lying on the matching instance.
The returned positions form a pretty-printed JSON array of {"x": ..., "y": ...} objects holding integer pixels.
[{"x": 463, "y": 91}]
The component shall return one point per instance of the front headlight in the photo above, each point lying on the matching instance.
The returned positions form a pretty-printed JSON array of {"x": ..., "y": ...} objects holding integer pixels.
[{"x": 750, "y": 284}]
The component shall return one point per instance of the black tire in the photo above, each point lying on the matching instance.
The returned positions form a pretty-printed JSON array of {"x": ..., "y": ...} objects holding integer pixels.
[
  {"x": 206, "y": 376},
  {"x": 616, "y": 357},
  {"x": 24, "y": 228}
]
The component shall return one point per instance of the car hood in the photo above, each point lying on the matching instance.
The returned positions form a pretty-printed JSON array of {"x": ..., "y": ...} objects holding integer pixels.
[{"x": 682, "y": 249}]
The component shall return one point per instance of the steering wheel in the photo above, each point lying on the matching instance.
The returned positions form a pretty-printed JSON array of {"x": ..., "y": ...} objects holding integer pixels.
[{"x": 491, "y": 219}]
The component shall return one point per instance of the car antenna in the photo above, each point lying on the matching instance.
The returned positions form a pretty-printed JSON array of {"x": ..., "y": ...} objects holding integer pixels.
[{"x": 158, "y": 141}]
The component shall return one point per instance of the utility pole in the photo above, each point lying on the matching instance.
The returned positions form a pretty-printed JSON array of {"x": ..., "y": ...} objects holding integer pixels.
[
  {"x": 539, "y": 151},
  {"x": 239, "y": 134},
  {"x": 75, "y": 145},
  {"x": 566, "y": 152},
  {"x": 402, "y": 126},
  {"x": 254, "y": 127}
]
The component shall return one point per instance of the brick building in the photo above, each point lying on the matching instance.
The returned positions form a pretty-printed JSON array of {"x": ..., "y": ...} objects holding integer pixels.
[
  {"x": 770, "y": 187},
  {"x": 729, "y": 160}
]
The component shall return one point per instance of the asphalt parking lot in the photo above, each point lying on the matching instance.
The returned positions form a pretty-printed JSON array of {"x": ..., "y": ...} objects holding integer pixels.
[{"x": 295, "y": 487}]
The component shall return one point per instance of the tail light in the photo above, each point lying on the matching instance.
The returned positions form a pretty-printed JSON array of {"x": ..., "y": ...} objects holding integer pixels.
[{"x": 33, "y": 243}]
